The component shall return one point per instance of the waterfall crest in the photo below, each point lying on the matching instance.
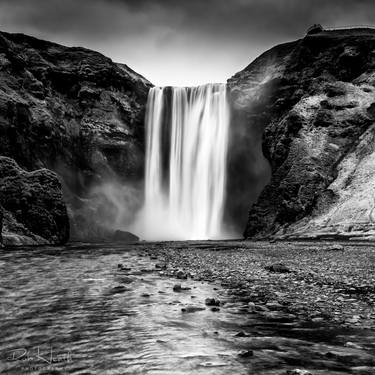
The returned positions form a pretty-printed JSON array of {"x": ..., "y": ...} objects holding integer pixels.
[{"x": 186, "y": 152}]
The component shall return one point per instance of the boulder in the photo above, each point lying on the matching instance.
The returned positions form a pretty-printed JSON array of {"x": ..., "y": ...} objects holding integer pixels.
[
  {"x": 124, "y": 236},
  {"x": 33, "y": 211},
  {"x": 278, "y": 268}
]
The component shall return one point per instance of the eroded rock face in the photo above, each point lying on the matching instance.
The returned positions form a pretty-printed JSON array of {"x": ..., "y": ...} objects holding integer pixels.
[
  {"x": 32, "y": 210},
  {"x": 315, "y": 100},
  {"x": 73, "y": 111}
]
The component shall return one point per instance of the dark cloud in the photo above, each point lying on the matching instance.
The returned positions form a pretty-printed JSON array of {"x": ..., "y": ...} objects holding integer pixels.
[{"x": 180, "y": 41}]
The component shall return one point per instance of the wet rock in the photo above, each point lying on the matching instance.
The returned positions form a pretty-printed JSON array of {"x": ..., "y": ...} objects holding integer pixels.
[
  {"x": 212, "y": 302},
  {"x": 341, "y": 354},
  {"x": 336, "y": 247},
  {"x": 181, "y": 275},
  {"x": 179, "y": 288},
  {"x": 274, "y": 305},
  {"x": 251, "y": 306},
  {"x": 246, "y": 354},
  {"x": 353, "y": 345},
  {"x": 124, "y": 236},
  {"x": 241, "y": 334},
  {"x": 126, "y": 280},
  {"x": 261, "y": 308},
  {"x": 118, "y": 289},
  {"x": 192, "y": 309},
  {"x": 121, "y": 267},
  {"x": 354, "y": 319},
  {"x": 278, "y": 316},
  {"x": 147, "y": 270},
  {"x": 278, "y": 268},
  {"x": 298, "y": 372}
]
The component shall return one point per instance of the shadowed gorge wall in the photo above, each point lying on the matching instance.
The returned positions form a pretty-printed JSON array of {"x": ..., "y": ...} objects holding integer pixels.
[{"x": 248, "y": 170}]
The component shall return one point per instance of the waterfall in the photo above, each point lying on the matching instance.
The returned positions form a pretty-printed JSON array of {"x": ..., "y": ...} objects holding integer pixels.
[{"x": 186, "y": 151}]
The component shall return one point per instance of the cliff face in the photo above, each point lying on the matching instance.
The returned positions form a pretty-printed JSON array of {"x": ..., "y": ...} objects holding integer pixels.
[
  {"x": 314, "y": 100},
  {"x": 73, "y": 111}
]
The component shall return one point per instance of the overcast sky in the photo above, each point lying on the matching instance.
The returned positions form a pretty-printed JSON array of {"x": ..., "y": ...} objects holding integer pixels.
[{"x": 179, "y": 42}]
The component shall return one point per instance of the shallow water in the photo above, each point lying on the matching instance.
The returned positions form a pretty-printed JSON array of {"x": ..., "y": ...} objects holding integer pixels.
[{"x": 69, "y": 310}]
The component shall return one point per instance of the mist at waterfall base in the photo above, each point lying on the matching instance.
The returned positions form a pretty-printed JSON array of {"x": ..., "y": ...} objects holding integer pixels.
[{"x": 187, "y": 131}]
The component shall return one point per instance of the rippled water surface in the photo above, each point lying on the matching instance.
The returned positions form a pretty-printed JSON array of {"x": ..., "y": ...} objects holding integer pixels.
[{"x": 69, "y": 310}]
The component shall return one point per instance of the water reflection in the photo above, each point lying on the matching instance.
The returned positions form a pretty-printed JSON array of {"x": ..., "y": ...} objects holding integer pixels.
[{"x": 71, "y": 310}]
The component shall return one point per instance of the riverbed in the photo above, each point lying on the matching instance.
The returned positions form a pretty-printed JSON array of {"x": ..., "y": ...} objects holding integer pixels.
[{"x": 186, "y": 308}]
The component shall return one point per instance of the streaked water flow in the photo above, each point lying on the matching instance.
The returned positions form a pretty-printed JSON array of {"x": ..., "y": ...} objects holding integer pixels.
[
  {"x": 187, "y": 139},
  {"x": 85, "y": 316}
]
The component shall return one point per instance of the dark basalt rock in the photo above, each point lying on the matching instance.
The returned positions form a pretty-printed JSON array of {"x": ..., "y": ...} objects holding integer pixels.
[
  {"x": 278, "y": 268},
  {"x": 123, "y": 236},
  {"x": 312, "y": 101},
  {"x": 33, "y": 211},
  {"x": 78, "y": 113}
]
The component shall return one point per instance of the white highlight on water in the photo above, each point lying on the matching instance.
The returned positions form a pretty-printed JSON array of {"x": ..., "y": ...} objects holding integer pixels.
[{"x": 184, "y": 198}]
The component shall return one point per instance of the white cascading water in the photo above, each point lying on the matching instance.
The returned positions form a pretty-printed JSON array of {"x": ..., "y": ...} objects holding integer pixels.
[{"x": 186, "y": 151}]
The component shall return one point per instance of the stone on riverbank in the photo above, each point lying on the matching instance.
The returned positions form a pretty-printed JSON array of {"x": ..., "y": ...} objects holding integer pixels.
[
  {"x": 124, "y": 236},
  {"x": 278, "y": 268}
]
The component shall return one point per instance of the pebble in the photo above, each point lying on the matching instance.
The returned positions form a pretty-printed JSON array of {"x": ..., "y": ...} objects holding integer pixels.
[
  {"x": 278, "y": 268},
  {"x": 241, "y": 334},
  {"x": 246, "y": 354},
  {"x": 212, "y": 302},
  {"x": 118, "y": 289},
  {"x": 336, "y": 247},
  {"x": 191, "y": 309},
  {"x": 177, "y": 288},
  {"x": 181, "y": 275},
  {"x": 298, "y": 372},
  {"x": 353, "y": 345}
]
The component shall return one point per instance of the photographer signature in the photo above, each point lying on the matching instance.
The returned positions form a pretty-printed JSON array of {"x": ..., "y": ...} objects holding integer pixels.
[{"x": 35, "y": 355}]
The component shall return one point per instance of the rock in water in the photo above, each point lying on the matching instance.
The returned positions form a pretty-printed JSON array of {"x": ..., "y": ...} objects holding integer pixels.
[
  {"x": 33, "y": 210},
  {"x": 181, "y": 275},
  {"x": 123, "y": 236},
  {"x": 298, "y": 372},
  {"x": 212, "y": 302},
  {"x": 336, "y": 247},
  {"x": 192, "y": 309},
  {"x": 246, "y": 354}
]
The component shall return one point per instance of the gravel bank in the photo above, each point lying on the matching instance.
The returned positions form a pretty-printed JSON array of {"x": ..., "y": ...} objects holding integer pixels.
[{"x": 322, "y": 282}]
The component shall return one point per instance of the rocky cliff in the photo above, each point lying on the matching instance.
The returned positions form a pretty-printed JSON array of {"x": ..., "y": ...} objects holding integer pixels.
[
  {"x": 75, "y": 112},
  {"x": 314, "y": 100}
]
